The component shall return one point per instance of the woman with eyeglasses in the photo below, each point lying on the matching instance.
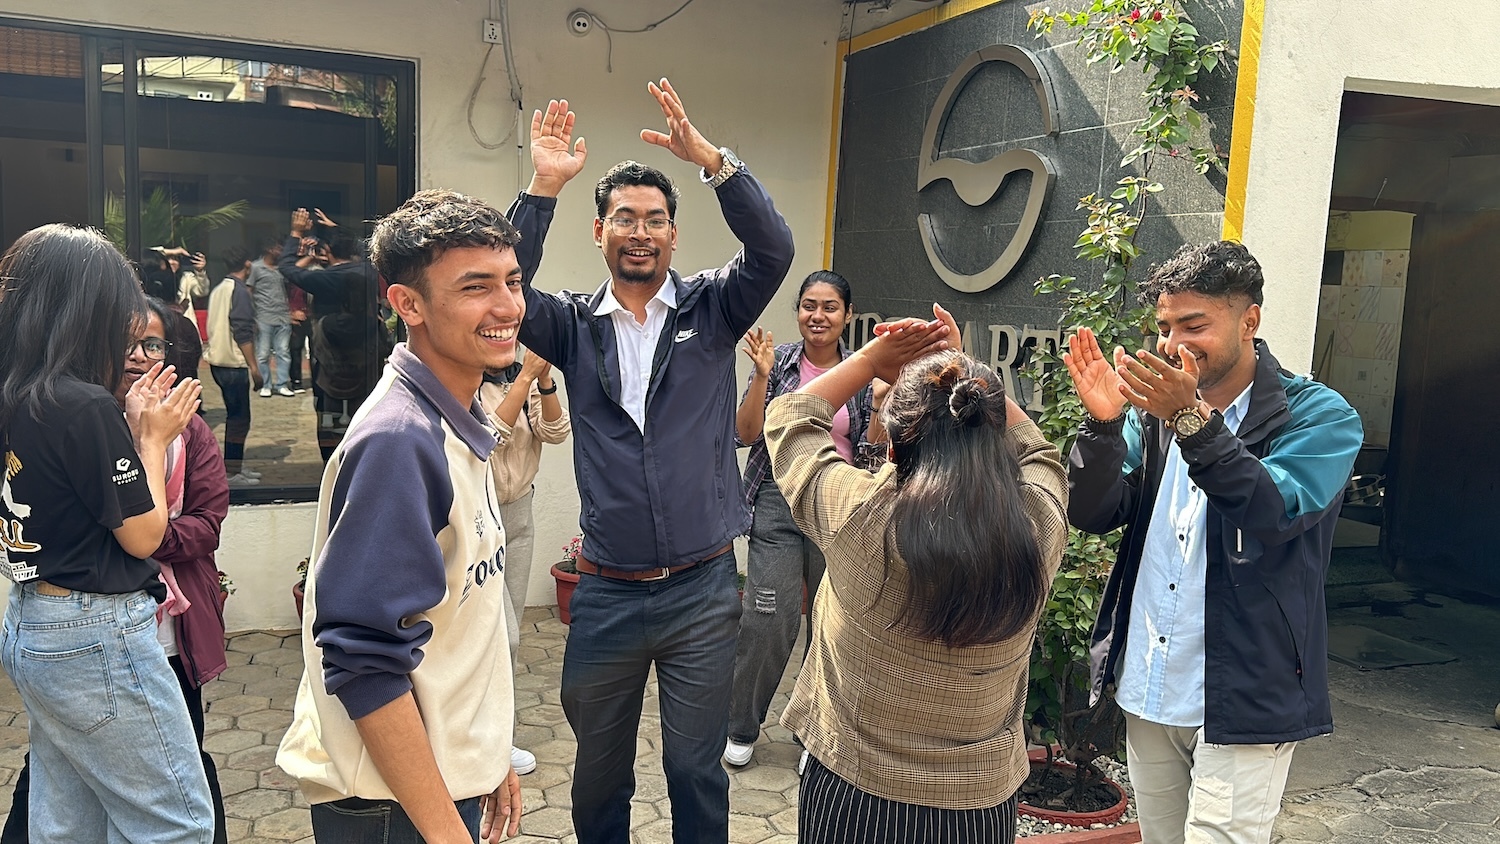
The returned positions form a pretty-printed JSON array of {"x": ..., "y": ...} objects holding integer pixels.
[
  {"x": 939, "y": 564},
  {"x": 85, "y": 505}
]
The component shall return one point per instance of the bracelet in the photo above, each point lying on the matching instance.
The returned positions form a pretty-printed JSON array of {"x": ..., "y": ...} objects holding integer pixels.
[
  {"x": 1097, "y": 421},
  {"x": 547, "y": 391}
]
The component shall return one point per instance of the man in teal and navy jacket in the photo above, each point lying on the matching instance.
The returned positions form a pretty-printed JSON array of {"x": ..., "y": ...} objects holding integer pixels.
[
  {"x": 1227, "y": 473},
  {"x": 648, "y": 359}
]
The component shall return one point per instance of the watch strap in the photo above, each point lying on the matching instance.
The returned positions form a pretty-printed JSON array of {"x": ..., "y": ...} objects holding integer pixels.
[
  {"x": 730, "y": 166},
  {"x": 547, "y": 391}
]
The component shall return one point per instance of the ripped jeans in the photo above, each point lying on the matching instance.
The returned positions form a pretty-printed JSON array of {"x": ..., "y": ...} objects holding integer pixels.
[{"x": 779, "y": 562}]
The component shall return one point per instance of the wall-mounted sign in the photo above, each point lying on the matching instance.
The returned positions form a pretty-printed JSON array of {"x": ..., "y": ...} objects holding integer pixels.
[{"x": 978, "y": 183}]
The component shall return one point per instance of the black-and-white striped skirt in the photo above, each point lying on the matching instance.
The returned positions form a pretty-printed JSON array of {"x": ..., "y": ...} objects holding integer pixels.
[{"x": 831, "y": 810}]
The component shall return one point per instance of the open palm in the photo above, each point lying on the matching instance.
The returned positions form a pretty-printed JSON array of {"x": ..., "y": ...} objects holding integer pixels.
[
  {"x": 1094, "y": 376},
  {"x": 553, "y": 154}
]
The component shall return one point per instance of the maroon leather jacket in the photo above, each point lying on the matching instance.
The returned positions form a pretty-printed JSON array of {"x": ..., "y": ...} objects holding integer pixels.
[{"x": 189, "y": 546}]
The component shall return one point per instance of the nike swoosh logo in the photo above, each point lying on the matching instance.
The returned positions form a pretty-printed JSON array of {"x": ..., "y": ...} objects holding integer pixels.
[{"x": 686, "y": 334}]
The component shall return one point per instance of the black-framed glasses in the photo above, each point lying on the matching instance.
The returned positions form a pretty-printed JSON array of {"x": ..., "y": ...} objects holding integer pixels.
[
  {"x": 623, "y": 226},
  {"x": 154, "y": 348}
]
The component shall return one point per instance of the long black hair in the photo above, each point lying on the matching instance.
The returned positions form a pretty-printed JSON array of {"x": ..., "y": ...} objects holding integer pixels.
[
  {"x": 69, "y": 304},
  {"x": 976, "y": 573}
]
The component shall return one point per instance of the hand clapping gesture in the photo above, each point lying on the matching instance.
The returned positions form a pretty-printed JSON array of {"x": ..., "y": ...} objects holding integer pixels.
[
  {"x": 761, "y": 349},
  {"x": 155, "y": 411}
]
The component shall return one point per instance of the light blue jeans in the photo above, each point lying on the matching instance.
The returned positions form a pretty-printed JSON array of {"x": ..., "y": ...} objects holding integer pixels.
[
  {"x": 273, "y": 341},
  {"x": 113, "y": 756}
]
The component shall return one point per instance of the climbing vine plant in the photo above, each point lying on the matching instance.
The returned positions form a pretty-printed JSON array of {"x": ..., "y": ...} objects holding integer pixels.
[{"x": 1157, "y": 39}]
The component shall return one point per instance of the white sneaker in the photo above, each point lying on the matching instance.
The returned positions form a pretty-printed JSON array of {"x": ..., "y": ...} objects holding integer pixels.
[
  {"x": 523, "y": 761},
  {"x": 737, "y": 754},
  {"x": 251, "y": 474},
  {"x": 242, "y": 479},
  {"x": 283, "y": 390},
  {"x": 265, "y": 392}
]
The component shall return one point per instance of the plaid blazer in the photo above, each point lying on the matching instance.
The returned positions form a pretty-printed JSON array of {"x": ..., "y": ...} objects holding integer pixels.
[{"x": 901, "y": 717}]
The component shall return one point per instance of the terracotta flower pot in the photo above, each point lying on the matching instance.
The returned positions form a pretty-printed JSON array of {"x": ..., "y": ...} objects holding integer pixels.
[
  {"x": 567, "y": 581},
  {"x": 1038, "y": 758}
]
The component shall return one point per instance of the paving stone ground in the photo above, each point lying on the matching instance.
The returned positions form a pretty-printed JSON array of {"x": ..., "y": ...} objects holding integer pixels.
[{"x": 249, "y": 707}]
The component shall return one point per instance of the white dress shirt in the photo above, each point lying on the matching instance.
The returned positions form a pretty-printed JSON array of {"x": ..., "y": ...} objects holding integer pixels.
[
  {"x": 635, "y": 345},
  {"x": 1161, "y": 674}
]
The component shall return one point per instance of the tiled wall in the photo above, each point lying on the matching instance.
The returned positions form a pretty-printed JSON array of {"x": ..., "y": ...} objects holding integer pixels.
[{"x": 1359, "y": 333}]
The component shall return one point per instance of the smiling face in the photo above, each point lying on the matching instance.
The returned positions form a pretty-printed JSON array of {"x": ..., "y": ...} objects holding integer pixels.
[
  {"x": 465, "y": 321},
  {"x": 638, "y": 257},
  {"x": 1218, "y": 331},
  {"x": 821, "y": 315}
]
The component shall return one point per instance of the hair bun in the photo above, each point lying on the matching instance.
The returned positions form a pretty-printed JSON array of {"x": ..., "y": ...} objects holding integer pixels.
[{"x": 966, "y": 402}]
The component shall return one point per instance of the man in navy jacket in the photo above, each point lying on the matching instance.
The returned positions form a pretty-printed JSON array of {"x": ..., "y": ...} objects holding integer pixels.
[
  {"x": 649, "y": 361},
  {"x": 1228, "y": 477}
]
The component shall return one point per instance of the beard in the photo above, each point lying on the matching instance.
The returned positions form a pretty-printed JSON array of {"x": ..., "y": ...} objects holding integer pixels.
[
  {"x": 635, "y": 273},
  {"x": 1212, "y": 372}
]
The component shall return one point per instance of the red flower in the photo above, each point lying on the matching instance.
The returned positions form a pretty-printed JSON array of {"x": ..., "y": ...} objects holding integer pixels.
[
  {"x": 1135, "y": 15},
  {"x": 1156, "y": 16}
]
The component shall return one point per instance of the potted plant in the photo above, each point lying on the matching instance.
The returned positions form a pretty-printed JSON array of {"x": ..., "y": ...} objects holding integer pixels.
[
  {"x": 1157, "y": 37},
  {"x": 226, "y": 588},
  {"x": 565, "y": 572},
  {"x": 299, "y": 588}
]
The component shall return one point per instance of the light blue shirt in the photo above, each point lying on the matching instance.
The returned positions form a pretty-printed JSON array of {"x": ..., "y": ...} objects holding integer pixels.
[{"x": 1161, "y": 674}]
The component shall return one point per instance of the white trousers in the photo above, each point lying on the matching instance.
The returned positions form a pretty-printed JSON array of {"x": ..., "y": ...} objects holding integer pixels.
[{"x": 1188, "y": 791}]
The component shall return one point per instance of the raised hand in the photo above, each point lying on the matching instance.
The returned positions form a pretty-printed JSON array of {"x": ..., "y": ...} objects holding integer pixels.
[
  {"x": 1094, "y": 379},
  {"x": 1156, "y": 386},
  {"x": 555, "y": 157},
  {"x": 681, "y": 138},
  {"x": 301, "y": 222},
  {"x": 322, "y": 219},
  {"x": 902, "y": 342},
  {"x": 761, "y": 349},
  {"x": 155, "y": 410}
]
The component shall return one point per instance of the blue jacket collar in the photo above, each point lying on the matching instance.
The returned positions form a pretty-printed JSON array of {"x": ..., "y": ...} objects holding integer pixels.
[{"x": 469, "y": 423}]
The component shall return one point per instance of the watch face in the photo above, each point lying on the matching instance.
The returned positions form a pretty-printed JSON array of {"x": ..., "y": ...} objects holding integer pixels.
[{"x": 1188, "y": 424}]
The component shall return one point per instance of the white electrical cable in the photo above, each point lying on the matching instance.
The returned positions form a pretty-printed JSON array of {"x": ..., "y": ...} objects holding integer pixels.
[
  {"x": 515, "y": 84},
  {"x": 609, "y": 50}
]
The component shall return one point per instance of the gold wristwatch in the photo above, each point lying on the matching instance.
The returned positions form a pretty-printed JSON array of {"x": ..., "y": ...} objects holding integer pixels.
[{"x": 1187, "y": 422}]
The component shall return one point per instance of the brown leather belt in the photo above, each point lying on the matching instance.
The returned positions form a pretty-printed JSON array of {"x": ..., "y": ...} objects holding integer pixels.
[
  {"x": 45, "y": 588},
  {"x": 649, "y": 575}
]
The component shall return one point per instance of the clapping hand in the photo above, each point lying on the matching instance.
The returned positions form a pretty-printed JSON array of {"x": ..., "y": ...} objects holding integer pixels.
[
  {"x": 555, "y": 156},
  {"x": 904, "y": 341},
  {"x": 761, "y": 349},
  {"x": 681, "y": 138},
  {"x": 156, "y": 411},
  {"x": 1156, "y": 386},
  {"x": 1096, "y": 382}
]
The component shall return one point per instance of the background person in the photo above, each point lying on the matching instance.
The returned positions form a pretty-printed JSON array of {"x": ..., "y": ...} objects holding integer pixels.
[
  {"x": 83, "y": 496},
  {"x": 522, "y": 404},
  {"x": 782, "y": 562},
  {"x": 273, "y": 322},
  {"x": 1228, "y": 477},
  {"x": 935, "y": 616},
  {"x": 231, "y": 360}
]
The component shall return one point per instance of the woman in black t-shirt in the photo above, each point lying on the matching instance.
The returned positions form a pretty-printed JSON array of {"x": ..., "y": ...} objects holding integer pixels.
[{"x": 83, "y": 506}]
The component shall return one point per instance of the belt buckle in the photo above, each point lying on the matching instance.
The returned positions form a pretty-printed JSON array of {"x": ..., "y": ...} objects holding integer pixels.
[{"x": 666, "y": 572}]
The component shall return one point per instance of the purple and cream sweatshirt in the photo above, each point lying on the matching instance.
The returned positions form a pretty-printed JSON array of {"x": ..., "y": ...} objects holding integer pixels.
[{"x": 405, "y": 593}]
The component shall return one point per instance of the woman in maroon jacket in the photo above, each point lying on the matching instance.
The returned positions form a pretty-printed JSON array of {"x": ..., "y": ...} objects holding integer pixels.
[{"x": 194, "y": 640}]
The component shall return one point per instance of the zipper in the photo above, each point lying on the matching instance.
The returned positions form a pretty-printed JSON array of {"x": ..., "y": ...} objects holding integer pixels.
[{"x": 1239, "y": 541}]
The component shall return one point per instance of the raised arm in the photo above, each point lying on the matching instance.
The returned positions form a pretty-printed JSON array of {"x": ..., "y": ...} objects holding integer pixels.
[
  {"x": 750, "y": 419},
  {"x": 555, "y": 160}
]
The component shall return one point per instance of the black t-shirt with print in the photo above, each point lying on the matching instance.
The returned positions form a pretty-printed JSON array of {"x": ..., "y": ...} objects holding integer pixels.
[{"x": 71, "y": 478}]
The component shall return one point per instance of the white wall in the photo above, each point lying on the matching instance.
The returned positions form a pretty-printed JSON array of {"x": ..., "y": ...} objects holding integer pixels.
[
  {"x": 754, "y": 77},
  {"x": 1312, "y": 51}
]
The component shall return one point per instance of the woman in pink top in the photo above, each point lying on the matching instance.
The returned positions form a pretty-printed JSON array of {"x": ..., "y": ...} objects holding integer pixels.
[{"x": 782, "y": 562}]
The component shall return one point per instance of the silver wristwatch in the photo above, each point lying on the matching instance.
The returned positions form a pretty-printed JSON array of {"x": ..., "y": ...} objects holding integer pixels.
[{"x": 730, "y": 166}]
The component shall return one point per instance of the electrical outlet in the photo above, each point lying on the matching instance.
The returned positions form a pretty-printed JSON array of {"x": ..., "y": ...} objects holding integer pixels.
[{"x": 491, "y": 32}]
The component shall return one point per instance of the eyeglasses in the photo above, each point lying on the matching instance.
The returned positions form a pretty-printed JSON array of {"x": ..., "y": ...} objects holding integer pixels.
[
  {"x": 154, "y": 348},
  {"x": 623, "y": 226}
]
